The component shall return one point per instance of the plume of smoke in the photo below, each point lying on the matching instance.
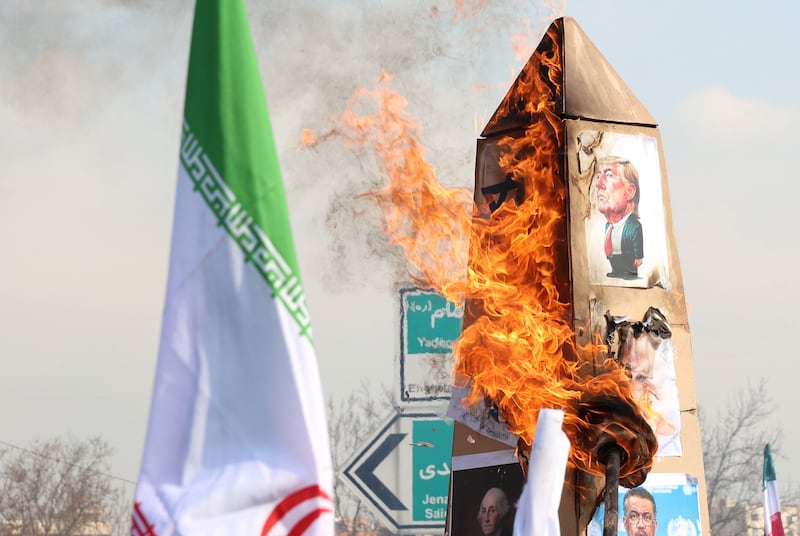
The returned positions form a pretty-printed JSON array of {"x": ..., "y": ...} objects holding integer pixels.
[{"x": 437, "y": 53}]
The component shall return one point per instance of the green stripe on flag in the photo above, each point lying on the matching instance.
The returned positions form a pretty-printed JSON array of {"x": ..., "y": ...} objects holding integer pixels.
[
  {"x": 769, "y": 468},
  {"x": 229, "y": 151}
]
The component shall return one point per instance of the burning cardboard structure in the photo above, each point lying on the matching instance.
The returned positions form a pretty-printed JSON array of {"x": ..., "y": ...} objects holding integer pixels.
[{"x": 575, "y": 298}]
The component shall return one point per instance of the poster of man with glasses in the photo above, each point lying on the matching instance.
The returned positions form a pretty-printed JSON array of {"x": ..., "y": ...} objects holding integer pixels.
[{"x": 666, "y": 504}]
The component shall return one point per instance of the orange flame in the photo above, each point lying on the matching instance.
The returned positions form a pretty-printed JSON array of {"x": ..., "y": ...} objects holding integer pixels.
[
  {"x": 429, "y": 221},
  {"x": 517, "y": 346}
]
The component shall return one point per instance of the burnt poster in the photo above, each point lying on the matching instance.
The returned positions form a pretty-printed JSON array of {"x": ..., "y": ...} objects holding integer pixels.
[
  {"x": 645, "y": 348},
  {"x": 626, "y": 237},
  {"x": 483, "y": 416}
]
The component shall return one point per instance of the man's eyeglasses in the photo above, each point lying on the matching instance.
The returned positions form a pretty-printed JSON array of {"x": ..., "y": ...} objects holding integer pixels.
[{"x": 634, "y": 517}]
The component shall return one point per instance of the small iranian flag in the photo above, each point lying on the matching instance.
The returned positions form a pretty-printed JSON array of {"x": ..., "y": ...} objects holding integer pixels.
[
  {"x": 237, "y": 439},
  {"x": 773, "y": 525}
]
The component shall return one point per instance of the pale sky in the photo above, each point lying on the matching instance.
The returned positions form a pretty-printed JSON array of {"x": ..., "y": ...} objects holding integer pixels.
[{"x": 91, "y": 98}]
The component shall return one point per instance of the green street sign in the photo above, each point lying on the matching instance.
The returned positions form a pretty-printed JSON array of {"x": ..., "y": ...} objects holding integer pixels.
[
  {"x": 429, "y": 327},
  {"x": 432, "y": 324},
  {"x": 433, "y": 443}
]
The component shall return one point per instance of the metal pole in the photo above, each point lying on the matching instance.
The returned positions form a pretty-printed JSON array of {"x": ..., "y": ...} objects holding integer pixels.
[{"x": 612, "y": 492}]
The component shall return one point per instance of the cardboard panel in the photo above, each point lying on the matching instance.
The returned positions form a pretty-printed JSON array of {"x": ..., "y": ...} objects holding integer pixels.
[{"x": 618, "y": 265}]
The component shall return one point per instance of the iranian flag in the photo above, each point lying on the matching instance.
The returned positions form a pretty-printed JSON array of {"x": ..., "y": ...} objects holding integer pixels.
[
  {"x": 237, "y": 438},
  {"x": 773, "y": 525}
]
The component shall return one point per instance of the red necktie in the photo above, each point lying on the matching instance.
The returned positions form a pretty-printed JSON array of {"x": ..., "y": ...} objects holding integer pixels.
[{"x": 608, "y": 241}]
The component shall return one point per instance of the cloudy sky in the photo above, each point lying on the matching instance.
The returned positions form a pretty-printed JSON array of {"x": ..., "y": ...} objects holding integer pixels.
[{"x": 90, "y": 111}]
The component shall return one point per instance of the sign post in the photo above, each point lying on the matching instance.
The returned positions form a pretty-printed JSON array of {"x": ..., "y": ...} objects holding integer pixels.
[{"x": 404, "y": 471}]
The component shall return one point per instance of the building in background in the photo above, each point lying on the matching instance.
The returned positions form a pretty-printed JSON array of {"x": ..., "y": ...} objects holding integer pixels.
[{"x": 790, "y": 513}]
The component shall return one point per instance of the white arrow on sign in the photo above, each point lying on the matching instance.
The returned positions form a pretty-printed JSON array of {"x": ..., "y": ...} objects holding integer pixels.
[{"x": 404, "y": 471}]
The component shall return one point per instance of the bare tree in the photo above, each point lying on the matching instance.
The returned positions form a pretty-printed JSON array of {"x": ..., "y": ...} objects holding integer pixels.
[
  {"x": 733, "y": 450},
  {"x": 59, "y": 486},
  {"x": 119, "y": 511},
  {"x": 351, "y": 421}
]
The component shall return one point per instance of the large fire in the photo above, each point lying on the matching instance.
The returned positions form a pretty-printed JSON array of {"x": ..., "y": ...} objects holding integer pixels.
[{"x": 510, "y": 265}]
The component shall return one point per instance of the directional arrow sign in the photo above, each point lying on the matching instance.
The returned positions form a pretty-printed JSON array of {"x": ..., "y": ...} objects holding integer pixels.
[
  {"x": 404, "y": 471},
  {"x": 367, "y": 472}
]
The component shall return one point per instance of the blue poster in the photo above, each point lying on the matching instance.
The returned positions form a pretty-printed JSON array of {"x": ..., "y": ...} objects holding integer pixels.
[{"x": 667, "y": 504}]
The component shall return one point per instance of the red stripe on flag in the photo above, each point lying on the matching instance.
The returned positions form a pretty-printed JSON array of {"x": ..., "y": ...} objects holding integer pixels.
[
  {"x": 304, "y": 523},
  {"x": 140, "y": 525},
  {"x": 777, "y": 525},
  {"x": 283, "y": 507}
]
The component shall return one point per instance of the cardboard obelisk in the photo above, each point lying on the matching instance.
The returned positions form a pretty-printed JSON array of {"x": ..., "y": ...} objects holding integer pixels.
[{"x": 615, "y": 272}]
